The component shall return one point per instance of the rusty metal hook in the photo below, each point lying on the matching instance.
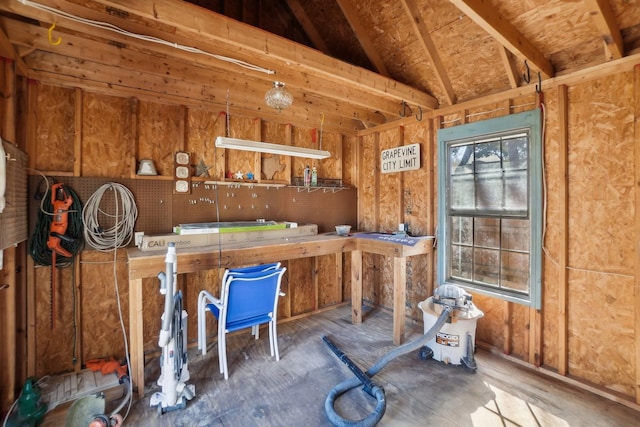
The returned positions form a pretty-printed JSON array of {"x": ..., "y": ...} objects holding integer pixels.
[
  {"x": 419, "y": 115},
  {"x": 539, "y": 85},
  {"x": 403, "y": 112}
]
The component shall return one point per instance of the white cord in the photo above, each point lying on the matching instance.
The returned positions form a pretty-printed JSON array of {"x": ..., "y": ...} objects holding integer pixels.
[
  {"x": 116, "y": 29},
  {"x": 120, "y": 234},
  {"x": 116, "y": 237}
]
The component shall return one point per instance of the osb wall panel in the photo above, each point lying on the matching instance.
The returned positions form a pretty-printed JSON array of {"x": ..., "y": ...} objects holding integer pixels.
[
  {"x": 389, "y": 208},
  {"x": 552, "y": 235},
  {"x": 601, "y": 332},
  {"x": 275, "y": 167},
  {"x": 160, "y": 134},
  {"x": 301, "y": 286},
  {"x": 350, "y": 160},
  {"x": 55, "y": 131},
  {"x": 102, "y": 334},
  {"x": 390, "y": 191},
  {"x": 489, "y": 328},
  {"x": 54, "y": 341},
  {"x": 331, "y": 167},
  {"x": 367, "y": 216},
  {"x": 417, "y": 207},
  {"x": 601, "y": 231},
  {"x": 329, "y": 289},
  {"x": 106, "y": 136},
  {"x": 202, "y": 129},
  {"x": 243, "y": 161}
]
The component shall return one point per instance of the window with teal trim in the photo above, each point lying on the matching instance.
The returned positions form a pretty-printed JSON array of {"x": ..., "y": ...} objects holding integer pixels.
[{"x": 490, "y": 207}]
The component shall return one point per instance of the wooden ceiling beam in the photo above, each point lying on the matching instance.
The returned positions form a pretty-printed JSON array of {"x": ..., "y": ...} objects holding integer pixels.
[
  {"x": 512, "y": 72},
  {"x": 23, "y": 34},
  {"x": 361, "y": 34},
  {"x": 423, "y": 36},
  {"x": 484, "y": 14},
  {"x": 136, "y": 82},
  {"x": 307, "y": 83},
  {"x": 253, "y": 44},
  {"x": 7, "y": 51},
  {"x": 308, "y": 27},
  {"x": 605, "y": 22}
]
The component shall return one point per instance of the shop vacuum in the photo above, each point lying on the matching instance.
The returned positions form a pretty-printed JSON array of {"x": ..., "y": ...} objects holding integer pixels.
[{"x": 449, "y": 336}]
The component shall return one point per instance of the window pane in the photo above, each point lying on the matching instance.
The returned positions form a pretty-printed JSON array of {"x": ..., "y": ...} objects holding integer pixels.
[
  {"x": 462, "y": 192},
  {"x": 461, "y": 230},
  {"x": 487, "y": 266},
  {"x": 515, "y": 153},
  {"x": 462, "y": 187},
  {"x": 515, "y": 271},
  {"x": 487, "y": 233},
  {"x": 515, "y": 159},
  {"x": 515, "y": 234},
  {"x": 516, "y": 191},
  {"x": 461, "y": 262},
  {"x": 490, "y": 193},
  {"x": 488, "y": 157}
]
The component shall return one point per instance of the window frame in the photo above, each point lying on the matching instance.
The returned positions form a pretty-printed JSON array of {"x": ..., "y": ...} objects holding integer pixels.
[{"x": 529, "y": 121}]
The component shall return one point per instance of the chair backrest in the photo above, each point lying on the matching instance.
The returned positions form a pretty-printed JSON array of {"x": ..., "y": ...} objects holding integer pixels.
[
  {"x": 251, "y": 295},
  {"x": 245, "y": 270}
]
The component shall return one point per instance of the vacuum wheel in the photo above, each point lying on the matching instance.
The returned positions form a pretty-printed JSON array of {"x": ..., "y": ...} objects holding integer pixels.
[{"x": 425, "y": 353}]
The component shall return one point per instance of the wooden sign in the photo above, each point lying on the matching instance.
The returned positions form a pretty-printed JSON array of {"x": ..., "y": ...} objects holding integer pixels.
[{"x": 400, "y": 159}]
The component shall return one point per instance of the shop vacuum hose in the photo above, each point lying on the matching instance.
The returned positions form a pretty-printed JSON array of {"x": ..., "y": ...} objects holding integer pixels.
[{"x": 364, "y": 378}]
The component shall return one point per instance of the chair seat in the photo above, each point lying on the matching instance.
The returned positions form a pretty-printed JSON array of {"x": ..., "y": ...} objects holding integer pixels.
[{"x": 240, "y": 324}]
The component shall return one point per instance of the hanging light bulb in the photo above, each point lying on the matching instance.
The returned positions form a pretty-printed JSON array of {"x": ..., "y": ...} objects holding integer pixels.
[{"x": 278, "y": 97}]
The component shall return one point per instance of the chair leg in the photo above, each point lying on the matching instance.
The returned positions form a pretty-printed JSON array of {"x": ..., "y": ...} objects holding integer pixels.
[
  {"x": 221, "y": 348},
  {"x": 273, "y": 339},
  {"x": 202, "y": 325},
  {"x": 222, "y": 345}
]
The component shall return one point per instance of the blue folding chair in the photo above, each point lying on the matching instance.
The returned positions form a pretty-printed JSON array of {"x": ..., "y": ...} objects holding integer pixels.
[
  {"x": 247, "y": 300},
  {"x": 205, "y": 297}
]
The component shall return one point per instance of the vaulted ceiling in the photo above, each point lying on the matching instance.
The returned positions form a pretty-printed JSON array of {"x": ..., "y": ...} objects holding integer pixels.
[{"x": 350, "y": 64}]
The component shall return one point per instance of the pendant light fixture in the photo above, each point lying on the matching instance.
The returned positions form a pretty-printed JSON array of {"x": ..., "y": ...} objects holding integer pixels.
[{"x": 278, "y": 97}]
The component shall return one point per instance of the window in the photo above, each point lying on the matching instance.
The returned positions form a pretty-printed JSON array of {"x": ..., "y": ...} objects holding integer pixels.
[{"x": 490, "y": 207}]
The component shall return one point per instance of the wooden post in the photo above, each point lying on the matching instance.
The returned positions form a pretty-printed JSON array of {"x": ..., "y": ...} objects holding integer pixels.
[
  {"x": 136, "y": 337},
  {"x": 636, "y": 127},
  {"x": 356, "y": 287},
  {"x": 563, "y": 193},
  {"x": 399, "y": 298}
]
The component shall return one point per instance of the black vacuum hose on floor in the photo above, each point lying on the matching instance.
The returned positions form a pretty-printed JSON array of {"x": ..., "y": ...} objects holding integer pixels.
[{"x": 375, "y": 391}]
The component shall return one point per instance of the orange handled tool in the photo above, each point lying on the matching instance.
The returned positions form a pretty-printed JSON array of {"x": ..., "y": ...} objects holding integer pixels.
[{"x": 61, "y": 202}]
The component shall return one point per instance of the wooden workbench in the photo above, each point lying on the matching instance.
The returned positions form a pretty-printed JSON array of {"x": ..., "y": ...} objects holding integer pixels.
[{"x": 149, "y": 264}]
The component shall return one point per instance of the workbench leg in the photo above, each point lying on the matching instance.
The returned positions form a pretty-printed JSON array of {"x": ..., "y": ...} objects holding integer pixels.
[
  {"x": 356, "y": 287},
  {"x": 136, "y": 349},
  {"x": 399, "y": 298}
]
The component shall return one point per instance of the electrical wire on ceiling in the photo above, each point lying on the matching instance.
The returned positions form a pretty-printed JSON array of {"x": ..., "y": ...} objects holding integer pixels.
[{"x": 116, "y": 29}]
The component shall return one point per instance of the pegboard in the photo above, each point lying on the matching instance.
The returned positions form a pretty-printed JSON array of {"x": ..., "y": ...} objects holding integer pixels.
[
  {"x": 13, "y": 227},
  {"x": 159, "y": 210}
]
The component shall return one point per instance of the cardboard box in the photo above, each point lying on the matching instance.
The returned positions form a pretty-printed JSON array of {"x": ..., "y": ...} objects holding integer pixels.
[{"x": 159, "y": 242}]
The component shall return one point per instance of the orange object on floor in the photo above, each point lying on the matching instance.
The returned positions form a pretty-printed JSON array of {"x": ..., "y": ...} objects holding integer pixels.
[{"x": 107, "y": 366}]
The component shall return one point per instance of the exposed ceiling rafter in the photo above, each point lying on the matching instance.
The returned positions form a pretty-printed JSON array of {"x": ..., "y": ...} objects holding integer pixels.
[
  {"x": 361, "y": 34},
  {"x": 422, "y": 33},
  {"x": 603, "y": 18},
  {"x": 485, "y": 15}
]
